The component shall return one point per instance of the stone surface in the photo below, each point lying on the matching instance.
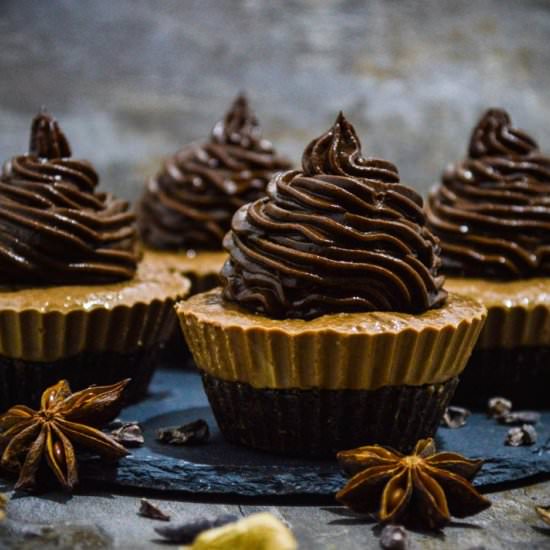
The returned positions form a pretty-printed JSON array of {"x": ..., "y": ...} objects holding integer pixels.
[
  {"x": 132, "y": 80},
  {"x": 112, "y": 521},
  {"x": 70, "y": 535},
  {"x": 99, "y": 518},
  {"x": 219, "y": 467}
]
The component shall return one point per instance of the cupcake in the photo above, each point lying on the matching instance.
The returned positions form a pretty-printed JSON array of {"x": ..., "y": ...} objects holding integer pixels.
[
  {"x": 76, "y": 300},
  {"x": 332, "y": 329},
  {"x": 492, "y": 215},
  {"x": 187, "y": 207}
]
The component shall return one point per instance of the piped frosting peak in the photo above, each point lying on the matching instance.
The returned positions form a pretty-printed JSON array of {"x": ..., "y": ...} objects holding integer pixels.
[
  {"x": 47, "y": 140},
  {"x": 190, "y": 202},
  {"x": 338, "y": 152},
  {"x": 55, "y": 228},
  {"x": 494, "y": 136},
  {"x": 492, "y": 210},
  {"x": 240, "y": 127},
  {"x": 341, "y": 235}
]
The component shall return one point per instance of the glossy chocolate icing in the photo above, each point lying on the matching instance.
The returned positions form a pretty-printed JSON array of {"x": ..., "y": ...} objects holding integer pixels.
[
  {"x": 54, "y": 227},
  {"x": 492, "y": 210},
  {"x": 342, "y": 235},
  {"x": 190, "y": 202}
]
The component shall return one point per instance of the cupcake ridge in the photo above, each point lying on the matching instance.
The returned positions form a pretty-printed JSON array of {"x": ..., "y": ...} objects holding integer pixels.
[
  {"x": 492, "y": 211},
  {"x": 54, "y": 227},
  {"x": 190, "y": 202},
  {"x": 341, "y": 235}
]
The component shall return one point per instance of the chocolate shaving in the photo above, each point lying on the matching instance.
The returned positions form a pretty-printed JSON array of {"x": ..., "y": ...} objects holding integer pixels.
[
  {"x": 394, "y": 537},
  {"x": 114, "y": 424},
  {"x": 194, "y": 433},
  {"x": 522, "y": 435},
  {"x": 519, "y": 418},
  {"x": 149, "y": 510},
  {"x": 498, "y": 406},
  {"x": 186, "y": 533},
  {"x": 128, "y": 434},
  {"x": 455, "y": 417}
]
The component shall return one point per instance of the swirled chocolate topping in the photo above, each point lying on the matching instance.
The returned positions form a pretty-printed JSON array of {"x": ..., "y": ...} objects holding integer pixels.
[
  {"x": 54, "y": 227},
  {"x": 492, "y": 210},
  {"x": 341, "y": 235},
  {"x": 190, "y": 202}
]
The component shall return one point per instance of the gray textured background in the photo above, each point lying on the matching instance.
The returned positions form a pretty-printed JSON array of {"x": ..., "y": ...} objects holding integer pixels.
[{"x": 132, "y": 80}]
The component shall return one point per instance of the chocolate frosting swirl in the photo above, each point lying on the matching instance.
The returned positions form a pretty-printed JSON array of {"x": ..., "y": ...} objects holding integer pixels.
[
  {"x": 341, "y": 235},
  {"x": 492, "y": 210},
  {"x": 54, "y": 227},
  {"x": 190, "y": 202}
]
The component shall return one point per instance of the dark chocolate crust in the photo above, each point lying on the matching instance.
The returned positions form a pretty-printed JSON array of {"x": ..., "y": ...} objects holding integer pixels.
[
  {"x": 176, "y": 352},
  {"x": 520, "y": 374},
  {"x": 22, "y": 382},
  {"x": 317, "y": 422}
]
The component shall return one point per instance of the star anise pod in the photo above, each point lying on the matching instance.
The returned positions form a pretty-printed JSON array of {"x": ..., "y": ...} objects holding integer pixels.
[
  {"x": 64, "y": 419},
  {"x": 425, "y": 488}
]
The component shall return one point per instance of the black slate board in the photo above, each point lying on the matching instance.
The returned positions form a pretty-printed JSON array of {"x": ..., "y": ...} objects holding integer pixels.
[{"x": 222, "y": 468}]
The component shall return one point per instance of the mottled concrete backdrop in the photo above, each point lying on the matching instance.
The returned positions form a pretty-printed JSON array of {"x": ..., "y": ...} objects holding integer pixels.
[{"x": 131, "y": 80}]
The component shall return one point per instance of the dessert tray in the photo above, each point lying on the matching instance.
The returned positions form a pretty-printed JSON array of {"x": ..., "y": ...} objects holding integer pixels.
[{"x": 218, "y": 467}]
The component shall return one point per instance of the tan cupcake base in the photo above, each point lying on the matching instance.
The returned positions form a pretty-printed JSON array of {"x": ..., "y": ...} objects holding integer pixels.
[
  {"x": 87, "y": 334},
  {"x": 518, "y": 312},
  {"x": 46, "y": 324},
  {"x": 364, "y": 351}
]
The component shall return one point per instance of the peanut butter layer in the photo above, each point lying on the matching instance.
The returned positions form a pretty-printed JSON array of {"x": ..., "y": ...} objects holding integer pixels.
[
  {"x": 49, "y": 323},
  {"x": 337, "y": 351},
  {"x": 154, "y": 280},
  {"x": 202, "y": 268},
  {"x": 518, "y": 312}
]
